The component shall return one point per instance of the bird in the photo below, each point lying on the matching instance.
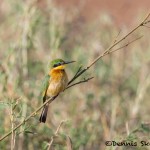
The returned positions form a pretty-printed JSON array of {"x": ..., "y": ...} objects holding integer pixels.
[{"x": 54, "y": 82}]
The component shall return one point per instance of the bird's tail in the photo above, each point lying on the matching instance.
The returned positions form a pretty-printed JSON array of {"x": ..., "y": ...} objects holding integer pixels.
[{"x": 44, "y": 114}]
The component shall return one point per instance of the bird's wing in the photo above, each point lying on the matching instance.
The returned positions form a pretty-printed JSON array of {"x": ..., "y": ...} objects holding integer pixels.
[{"x": 45, "y": 87}]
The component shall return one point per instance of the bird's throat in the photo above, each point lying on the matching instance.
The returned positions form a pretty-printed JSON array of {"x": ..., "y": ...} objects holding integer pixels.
[
  {"x": 59, "y": 67},
  {"x": 57, "y": 70}
]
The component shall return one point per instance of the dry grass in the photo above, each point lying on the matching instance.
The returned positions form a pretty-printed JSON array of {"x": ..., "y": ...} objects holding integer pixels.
[{"x": 112, "y": 106}]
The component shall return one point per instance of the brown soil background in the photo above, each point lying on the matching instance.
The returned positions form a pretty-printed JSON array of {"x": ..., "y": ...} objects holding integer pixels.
[{"x": 121, "y": 11}]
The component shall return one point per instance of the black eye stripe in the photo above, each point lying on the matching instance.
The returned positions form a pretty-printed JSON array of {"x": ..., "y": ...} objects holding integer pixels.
[
  {"x": 55, "y": 65},
  {"x": 58, "y": 64}
]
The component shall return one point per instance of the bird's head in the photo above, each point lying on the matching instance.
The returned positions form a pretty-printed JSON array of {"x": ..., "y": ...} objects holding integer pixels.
[{"x": 59, "y": 64}]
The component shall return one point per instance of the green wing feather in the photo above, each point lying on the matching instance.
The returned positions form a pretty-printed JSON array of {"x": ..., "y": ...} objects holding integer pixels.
[{"x": 45, "y": 87}]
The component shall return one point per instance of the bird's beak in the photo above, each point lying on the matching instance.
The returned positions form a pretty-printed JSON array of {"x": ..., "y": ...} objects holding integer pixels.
[{"x": 68, "y": 62}]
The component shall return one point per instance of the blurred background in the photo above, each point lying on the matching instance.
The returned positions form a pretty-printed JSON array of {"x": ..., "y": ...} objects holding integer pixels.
[{"x": 112, "y": 106}]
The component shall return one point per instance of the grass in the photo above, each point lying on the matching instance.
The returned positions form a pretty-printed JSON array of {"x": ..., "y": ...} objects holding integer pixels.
[{"x": 112, "y": 106}]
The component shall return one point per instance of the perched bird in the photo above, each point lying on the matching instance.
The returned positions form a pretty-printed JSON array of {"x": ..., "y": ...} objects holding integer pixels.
[{"x": 55, "y": 82}]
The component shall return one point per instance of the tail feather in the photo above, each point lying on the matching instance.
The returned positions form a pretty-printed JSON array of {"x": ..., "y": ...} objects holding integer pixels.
[{"x": 44, "y": 114}]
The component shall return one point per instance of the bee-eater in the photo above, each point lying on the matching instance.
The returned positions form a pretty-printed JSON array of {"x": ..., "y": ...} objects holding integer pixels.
[{"x": 55, "y": 82}]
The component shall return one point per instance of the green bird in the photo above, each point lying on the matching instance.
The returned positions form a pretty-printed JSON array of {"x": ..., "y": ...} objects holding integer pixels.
[{"x": 55, "y": 82}]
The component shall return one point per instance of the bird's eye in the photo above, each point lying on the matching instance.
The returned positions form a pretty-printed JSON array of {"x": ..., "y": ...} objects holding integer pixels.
[{"x": 55, "y": 65}]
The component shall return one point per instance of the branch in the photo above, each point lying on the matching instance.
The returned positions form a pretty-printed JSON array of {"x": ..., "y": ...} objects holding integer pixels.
[
  {"x": 81, "y": 71},
  {"x": 77, "y": 74},
  {"x": 56, "y": 133},
  {"x": 31, "y": 115},
  {"x": 107, "y": 51},
  {"x": 82, "y": 81},
  {"x": 125, "y": 45},
  {"x": 145, "y": 21}
]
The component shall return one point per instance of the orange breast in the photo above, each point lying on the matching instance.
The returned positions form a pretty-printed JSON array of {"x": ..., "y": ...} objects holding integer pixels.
[{"x": 58, "y": 82}]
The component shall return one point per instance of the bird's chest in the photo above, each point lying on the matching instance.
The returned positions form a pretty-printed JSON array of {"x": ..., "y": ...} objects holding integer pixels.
[{"x": 57, "y": 82}]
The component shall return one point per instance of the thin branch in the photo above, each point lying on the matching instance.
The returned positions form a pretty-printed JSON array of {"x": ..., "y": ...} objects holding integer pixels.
[
  {"x": 125, "y": 45},
  {"x": 77, "y": 74},
  {"x": 106, "y": 52},
  {"x": 115, "y": 40},
  {"x": 146, "y": 26},
  {"x": 146, "y": 22},
  {"x": 31, "y": 115},
  {"x": 119, "y": 41},
  {"x": 82, "y": 81},
  {"x": 80, "y": 72},
  {"x": 69, "y": 143},
  {"x": 12, "y": 128},
  {"x": 80, "y": 68},
  {"x": 56, "y": 133}
]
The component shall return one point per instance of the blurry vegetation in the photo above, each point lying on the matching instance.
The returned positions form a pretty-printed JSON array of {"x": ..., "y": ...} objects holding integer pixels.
[{"x": 109, "y": 107}]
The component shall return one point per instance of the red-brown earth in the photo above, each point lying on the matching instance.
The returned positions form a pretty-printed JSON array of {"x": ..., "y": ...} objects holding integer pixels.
[{"x": 121, "y": 11}]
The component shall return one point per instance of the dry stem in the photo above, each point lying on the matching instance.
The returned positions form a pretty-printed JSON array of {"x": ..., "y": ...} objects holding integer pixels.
[{"x": 56, "y": 133}]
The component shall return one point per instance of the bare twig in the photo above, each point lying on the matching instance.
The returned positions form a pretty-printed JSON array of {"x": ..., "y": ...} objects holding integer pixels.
[
  {"x": 146, "y": 26},
  {"x": 145, "y": 21},
  {"x": 125, "y": 45},
  {"x": 107, "y": 51},
  {"x": 12, "y": 127},
  {"x": 115, "y": 40},
  {"x": 81, "y": 71},
  {"x": 56, "y": 133},
  {"x": 69, "y": 143},
  {"x": 27, "y": 118},
  {"x": 80, "y": 68},
  {"x": 76, "y": 75},
  {"x": 82, "y": 81}
]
